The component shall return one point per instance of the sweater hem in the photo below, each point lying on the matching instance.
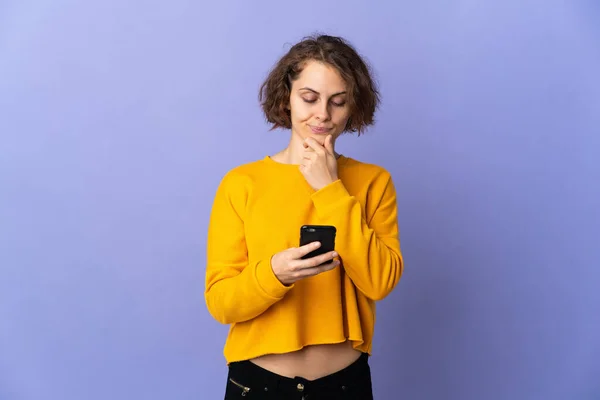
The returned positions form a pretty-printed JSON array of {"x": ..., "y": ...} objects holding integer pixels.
[{"x": 357, "y": 344}]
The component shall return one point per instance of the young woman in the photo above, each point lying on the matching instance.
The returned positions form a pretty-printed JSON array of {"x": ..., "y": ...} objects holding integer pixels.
[{"x": 302, "y": 328}]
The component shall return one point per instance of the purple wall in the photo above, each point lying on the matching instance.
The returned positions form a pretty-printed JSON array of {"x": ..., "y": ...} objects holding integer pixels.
[{"x": 118, "y": 119}]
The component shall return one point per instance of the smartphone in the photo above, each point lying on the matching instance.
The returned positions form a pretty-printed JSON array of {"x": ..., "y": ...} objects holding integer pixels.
[{"x": 318, "y": 233}]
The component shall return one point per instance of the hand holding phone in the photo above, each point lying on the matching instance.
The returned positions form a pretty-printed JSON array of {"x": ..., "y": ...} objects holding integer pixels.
[{"x": 314, "y": 256}]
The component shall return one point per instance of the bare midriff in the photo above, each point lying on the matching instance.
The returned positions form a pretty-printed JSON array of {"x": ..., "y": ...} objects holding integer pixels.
[{"x": 311, "y": 362}]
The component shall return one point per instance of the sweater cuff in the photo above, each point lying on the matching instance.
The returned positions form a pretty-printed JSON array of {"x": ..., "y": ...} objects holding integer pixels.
[
  {"x": 268, "y": 282},
  {"x": 327, "y": 198}
]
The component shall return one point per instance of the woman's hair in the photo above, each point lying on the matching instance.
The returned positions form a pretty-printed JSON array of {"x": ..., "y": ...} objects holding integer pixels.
[{"x": 363, "y": 96}]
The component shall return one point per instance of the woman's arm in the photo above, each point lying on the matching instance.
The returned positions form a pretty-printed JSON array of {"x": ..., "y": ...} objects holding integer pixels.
[
  {"x": 236, "y": 291},
  {"x": 369, "y": 249}
]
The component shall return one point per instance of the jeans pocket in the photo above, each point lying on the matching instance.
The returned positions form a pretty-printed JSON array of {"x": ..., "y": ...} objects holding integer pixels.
[{"x": 237, "y": 390}]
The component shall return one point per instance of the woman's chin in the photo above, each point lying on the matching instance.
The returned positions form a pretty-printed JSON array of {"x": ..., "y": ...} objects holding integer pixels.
[{"x": 318, "y": 136}]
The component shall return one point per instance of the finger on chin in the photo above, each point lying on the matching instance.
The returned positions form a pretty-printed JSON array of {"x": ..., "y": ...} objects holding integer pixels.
[{"x": 312, "y": 143}]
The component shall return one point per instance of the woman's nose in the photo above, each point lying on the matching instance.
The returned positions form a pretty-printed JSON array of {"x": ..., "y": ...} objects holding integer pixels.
[{"x": 323, "y": 112}]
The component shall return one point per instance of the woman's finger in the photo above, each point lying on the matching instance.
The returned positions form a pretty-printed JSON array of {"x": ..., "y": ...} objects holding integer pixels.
[
  {"x": 316, "y": 260},
  {"x": 307, "y": 272},
  {"x": 310, "y": 156},
  {"x": 301, "y": 251}
]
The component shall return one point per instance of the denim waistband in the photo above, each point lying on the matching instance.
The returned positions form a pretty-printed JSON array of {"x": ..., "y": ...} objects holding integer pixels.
[{"x": 251, "y": 374}]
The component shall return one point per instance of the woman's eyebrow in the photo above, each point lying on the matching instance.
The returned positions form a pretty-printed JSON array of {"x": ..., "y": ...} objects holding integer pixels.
[{"x": 314, "y": 91}]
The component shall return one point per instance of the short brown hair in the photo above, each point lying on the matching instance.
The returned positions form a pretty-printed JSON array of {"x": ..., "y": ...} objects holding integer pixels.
[{"x": 335, "y": 51}]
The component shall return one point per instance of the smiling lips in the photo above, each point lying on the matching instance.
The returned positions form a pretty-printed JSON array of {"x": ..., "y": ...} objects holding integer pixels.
[{"x": 319, "y": 130}]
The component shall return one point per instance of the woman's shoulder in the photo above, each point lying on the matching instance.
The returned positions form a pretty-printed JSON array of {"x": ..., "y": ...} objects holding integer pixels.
[
  {"x": 244, "y": 174},
  {"x": 246, "y": 168},
  {"x": 365, "y": 170}
]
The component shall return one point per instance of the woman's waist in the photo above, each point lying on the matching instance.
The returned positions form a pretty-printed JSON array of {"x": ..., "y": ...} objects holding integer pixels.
[{"x": 311, "y": 362}]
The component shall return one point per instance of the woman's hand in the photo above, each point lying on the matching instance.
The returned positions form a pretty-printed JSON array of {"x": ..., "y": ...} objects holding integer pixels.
[
  {"x": 319, "y": 165},
  {"x": 289, "y": 267}
]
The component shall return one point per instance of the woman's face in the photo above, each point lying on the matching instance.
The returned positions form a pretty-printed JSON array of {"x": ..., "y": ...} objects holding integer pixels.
[{"x": 318, "y": 102}]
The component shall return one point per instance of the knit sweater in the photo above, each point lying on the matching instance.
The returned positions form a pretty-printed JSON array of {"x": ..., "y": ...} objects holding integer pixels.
[{"x": 257, "y": 211}]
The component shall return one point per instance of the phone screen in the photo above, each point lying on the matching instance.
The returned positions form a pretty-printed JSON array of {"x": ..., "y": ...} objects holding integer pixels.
[{"x": 318, "y": 233}]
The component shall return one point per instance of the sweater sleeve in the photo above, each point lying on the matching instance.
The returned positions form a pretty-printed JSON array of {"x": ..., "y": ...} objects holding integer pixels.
[
  {"x": 369, "y": 249},
  {"x": 236, "y": 290}
]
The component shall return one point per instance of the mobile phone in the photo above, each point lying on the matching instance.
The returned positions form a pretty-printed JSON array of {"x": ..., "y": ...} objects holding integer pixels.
[{"x": 318, "y": 233}]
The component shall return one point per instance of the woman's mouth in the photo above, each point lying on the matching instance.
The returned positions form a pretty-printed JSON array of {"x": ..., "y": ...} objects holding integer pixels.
[{"x": 319, "y": 130}]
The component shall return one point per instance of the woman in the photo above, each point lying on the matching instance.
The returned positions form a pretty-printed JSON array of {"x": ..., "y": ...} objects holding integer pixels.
[{"x": 303, "y": 328}]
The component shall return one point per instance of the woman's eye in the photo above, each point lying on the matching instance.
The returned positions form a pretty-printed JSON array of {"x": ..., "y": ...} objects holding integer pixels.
[{"x": 336, "y": 104}]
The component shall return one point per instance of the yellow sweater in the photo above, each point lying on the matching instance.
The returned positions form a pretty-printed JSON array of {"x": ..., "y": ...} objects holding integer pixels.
[{"x": 258, "y": 210}]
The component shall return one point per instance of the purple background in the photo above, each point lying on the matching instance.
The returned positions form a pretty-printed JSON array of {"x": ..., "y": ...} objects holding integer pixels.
[{"x": 118, "y": 119}]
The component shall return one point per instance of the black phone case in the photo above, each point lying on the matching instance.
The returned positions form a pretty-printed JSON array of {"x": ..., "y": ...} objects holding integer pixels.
[{"x": 318, "y": 233}]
